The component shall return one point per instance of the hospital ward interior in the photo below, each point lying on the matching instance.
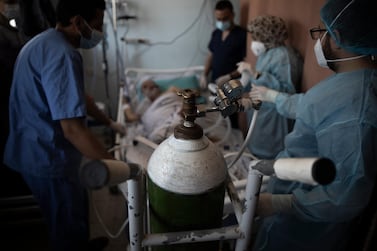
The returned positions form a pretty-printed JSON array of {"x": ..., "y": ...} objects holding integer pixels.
[{"x": 227, "y": 125}]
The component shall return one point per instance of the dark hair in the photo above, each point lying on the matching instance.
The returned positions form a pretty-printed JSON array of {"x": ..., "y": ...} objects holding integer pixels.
[
  {"x": 224, "y": 4},
  {"x": 70, "y": 8},
  {"x": 10, "y": 1}
]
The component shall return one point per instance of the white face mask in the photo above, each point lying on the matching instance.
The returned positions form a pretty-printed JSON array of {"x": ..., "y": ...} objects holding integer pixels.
[
  {"x": 222, "y": 25},
  {"x": 257, "y": 48},
  {"x": 320, "y": 56}
]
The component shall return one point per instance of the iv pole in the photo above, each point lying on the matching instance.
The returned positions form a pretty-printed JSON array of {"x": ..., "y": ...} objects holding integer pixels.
[
  {"x": 114, "y": 25},
  {"x": 106, "y": 73}
]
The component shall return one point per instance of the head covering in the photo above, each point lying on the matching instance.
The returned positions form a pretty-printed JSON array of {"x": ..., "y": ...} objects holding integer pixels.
[
  {"x": 355, "y": 23},
  {"x": 270, "y": 30}
]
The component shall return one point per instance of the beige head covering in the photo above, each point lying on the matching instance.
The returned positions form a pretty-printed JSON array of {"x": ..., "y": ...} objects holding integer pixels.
[{"x": 270, "y": 30}]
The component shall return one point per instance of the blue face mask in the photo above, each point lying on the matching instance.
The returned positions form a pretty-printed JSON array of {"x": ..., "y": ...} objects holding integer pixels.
[
  {"x": 223, "y": 25},
  {"x": 94, "y": 39}
]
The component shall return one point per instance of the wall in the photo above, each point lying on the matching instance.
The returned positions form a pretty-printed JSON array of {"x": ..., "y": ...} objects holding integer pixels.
[
  {"x": 177, "y": 32},
  {"x": 300, "y": 16}
]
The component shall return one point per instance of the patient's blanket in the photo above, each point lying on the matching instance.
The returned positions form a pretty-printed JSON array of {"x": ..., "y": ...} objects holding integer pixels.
[{"x": 160, "y": 118}]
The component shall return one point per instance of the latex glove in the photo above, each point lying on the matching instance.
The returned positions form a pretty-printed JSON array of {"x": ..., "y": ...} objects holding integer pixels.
[
  {"x": 222, "y": 79},
  {"x": 212, "y": 88},
  {"x": 263, "y": 93},
  {"x": 245, "y": 67},
  {"x": 117, "y": 127},
  {"x": 245, "y": 78},
  {"x": 203, "y": 82}
]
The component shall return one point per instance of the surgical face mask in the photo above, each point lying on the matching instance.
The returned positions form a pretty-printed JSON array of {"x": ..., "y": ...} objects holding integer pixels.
[
  {"x": 257, "y": 48},
  {"x": 95, "y": 37},
  {"x": 223, "y": 25},
  {"x": 11, "y": 11},
  {"x": 320, "y": 56},
  {"x": 321, "y": 59}
]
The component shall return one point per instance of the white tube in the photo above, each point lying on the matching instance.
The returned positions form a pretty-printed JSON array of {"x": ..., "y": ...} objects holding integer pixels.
[
  {"x": 105, "y": 228},
  {"x": 146, "y": 142},
  {"x": 248, "y": 136},
  {"x": 249, "y": 155},
  {"x": 118, "y": 171},
  {"x": 107, "y": 172},
  {"x": 306, "y": 170},
  {"x": 227, "y": 133}
]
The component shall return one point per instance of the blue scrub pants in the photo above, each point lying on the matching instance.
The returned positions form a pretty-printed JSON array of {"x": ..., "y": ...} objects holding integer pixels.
[{"x": 64, "y": 204}]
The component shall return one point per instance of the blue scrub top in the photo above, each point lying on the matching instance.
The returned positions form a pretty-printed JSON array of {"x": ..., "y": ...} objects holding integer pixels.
[
  {"x": 286, "y": 104},
  {"x": 47, "y": 87},
  {"x": 267, "y": 139},
  {"x": 337, "y": 119},
  {"x": 227, "y": 53}
]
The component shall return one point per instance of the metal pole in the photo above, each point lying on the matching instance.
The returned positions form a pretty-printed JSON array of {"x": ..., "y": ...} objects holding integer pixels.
[
  {"x": 234, "y": 198},
  {"x": 171, "y": 238},
  {"x": 254, "y": 181},
  {"x": 135, "y": 214}
]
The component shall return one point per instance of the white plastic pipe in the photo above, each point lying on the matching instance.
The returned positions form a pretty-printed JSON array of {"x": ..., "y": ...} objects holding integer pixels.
[{"x": 311, "y": 171}]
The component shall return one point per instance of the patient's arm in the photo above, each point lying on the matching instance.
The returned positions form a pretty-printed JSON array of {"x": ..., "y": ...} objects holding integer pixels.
[{"x": 129, "y": 114}]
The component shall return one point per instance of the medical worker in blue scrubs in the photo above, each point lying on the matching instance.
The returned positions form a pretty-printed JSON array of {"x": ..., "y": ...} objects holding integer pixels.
[
  {"x": 227, "y": 47},
  {"x": 278, "y": 67},
  {"x": 48, "y": 133},
  {"x": 336, "y": 119}
]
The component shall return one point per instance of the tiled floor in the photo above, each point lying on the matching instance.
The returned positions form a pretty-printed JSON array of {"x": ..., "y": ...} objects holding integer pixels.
[
  {"x": 108, "y": 210},
  {"x": 107, "y": 215}
]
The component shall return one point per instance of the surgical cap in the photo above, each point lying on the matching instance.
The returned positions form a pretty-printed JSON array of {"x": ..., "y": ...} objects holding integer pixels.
[
  {"x": 270, "y": 30},
  {"x": 355, "y": 23}
]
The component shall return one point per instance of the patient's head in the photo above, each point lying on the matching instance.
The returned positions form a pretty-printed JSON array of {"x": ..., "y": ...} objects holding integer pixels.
[{"x": 150, "y": 89}]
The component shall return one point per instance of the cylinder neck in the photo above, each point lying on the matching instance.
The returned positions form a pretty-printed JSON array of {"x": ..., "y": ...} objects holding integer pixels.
[{"x": 188, "y": 129}]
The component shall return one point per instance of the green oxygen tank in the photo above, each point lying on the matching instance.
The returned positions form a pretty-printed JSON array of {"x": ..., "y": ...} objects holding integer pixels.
[{"x": 186, "y": 182}]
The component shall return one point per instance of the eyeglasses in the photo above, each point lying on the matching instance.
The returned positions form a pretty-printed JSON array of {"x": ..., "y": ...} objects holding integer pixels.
[{"x": 315, "y": 33}]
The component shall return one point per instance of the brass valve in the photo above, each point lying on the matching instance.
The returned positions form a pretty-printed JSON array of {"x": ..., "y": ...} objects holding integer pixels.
[{"x": 188, "y": 129}]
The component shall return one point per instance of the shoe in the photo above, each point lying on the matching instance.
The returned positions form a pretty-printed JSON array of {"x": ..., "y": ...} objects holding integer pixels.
[{"x": 98, "y": 244}]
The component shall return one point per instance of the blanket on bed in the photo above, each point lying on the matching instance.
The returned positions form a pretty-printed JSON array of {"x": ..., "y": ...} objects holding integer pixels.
[{"x": 160, "y": 118}]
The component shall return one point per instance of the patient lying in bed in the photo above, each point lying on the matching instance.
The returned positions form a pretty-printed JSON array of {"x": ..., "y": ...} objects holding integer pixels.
[
  {"x": 159, "y": 112},
  {"x": 156, "y": 116}
]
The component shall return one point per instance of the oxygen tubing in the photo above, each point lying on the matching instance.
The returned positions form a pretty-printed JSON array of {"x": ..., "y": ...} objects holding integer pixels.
[{"x": 247, "y": 139}]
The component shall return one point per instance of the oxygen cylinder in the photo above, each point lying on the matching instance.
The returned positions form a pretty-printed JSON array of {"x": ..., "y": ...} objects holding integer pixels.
[{"x": 186, "y": 182}]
